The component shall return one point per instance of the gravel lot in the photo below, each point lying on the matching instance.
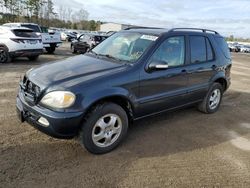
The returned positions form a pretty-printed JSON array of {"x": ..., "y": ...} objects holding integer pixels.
[{"x": 179, "y": 149}]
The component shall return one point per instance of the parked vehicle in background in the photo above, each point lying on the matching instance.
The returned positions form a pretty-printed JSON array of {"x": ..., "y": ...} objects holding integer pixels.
[
  {"x": 132, "y": 74},
  {"x": 86, "y": 42},
  {"x": 19, "y": 42},
  {"x": 68, "y": 36},
  {"x": 50, "y": 40},
  {"x": 238, "y": 47},
  {"x": 245, "y": 49},
  {"x": 232, "y": 47}
]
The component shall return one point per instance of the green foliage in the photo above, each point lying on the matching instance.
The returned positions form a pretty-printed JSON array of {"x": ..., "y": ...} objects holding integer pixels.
[
  {"x": 42, "y": 12},
  {"x": 231, "y": 38}
]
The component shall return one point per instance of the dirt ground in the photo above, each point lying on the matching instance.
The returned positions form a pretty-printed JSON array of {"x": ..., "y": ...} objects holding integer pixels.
[{"x": 178, "y": 149}]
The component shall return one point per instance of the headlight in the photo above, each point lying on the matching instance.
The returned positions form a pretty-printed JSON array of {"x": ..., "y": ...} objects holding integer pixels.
[{"x": 59, "y": 99}]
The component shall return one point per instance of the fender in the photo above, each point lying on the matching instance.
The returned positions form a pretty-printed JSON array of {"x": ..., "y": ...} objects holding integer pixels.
[
  {"x": 92, "y": 97},
  {"x": 218, "y": 75},
  {"x": 3, "y": 45}
]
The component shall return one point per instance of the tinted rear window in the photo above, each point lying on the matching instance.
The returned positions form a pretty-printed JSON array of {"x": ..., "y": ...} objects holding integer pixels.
[
  {"x": 33, "y": 27},
  {"x": 24, "y": 33},
  {"x": 223, "y": 46}
]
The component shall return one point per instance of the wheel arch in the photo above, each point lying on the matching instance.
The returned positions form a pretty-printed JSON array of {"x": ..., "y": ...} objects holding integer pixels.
[
  {"x": 118, "y": 99},
  {"x": 221, "y": 79},
  {"x": 3, "y": 45}
]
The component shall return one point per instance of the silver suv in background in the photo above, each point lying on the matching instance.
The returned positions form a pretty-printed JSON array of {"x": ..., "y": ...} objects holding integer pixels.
[
  {"x": 50, "y": 40},
  {"x": 19, "y": 42}
]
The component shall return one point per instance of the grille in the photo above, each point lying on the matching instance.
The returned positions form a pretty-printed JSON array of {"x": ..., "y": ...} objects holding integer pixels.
[{"x": 31, "y": 91}]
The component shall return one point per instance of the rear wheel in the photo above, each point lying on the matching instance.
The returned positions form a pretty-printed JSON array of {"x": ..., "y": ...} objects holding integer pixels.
[
  {"x": 4, "y": 55},
  {"x": 33, "y": 58},
  {"x": 211, "y": 102},
  {"x": 104, "y": 128},
  {"x": 51, "y": 49}
]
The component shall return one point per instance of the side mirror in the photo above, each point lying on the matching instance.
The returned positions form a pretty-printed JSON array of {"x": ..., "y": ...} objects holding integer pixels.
[{"x": 158, "y": 65}]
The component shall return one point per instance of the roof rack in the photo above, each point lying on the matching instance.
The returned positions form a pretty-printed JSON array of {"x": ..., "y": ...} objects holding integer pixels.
[
  {"x": 196, "y": 29},
  {"x": 138, "y": 27}
]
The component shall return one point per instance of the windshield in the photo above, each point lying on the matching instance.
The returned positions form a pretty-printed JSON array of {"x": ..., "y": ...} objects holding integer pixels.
[{"x": 125, "y": 46}]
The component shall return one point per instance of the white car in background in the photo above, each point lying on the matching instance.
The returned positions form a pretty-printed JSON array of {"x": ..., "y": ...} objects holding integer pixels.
[
  {"x": 245, "y": 49},
  {"x": 51, "y": 40},
  {"x": 19, "y": 42}
]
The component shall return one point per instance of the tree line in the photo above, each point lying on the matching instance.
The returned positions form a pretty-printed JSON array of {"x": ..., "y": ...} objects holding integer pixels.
[{"x": 43, "y": 13}]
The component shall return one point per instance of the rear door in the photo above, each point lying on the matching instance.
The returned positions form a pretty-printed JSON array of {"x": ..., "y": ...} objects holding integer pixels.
[{"x": 202, "y": 66}]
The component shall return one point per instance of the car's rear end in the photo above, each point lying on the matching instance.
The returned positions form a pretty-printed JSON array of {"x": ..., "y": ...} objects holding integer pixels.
[
  {"x": 225, "y": 59},
  {"x": 24, "y": 42}
]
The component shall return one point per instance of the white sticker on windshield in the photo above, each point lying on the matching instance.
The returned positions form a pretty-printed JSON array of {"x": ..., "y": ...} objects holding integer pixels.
[{"x": 149, "y": 37}]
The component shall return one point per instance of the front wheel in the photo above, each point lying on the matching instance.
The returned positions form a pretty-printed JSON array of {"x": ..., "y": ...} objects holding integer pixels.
[
  {"x": 211, "y": 102},
  {"x": 104, "y": 128}
]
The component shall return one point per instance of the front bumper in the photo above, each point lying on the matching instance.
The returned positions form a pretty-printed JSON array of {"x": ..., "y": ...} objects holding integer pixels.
[
  {"x": 61, "y": 124},
  {"x": 26, "y": 53}
]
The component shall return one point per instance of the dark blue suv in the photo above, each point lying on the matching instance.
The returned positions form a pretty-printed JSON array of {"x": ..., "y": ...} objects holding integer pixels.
[{"x": 134, "y": 73}]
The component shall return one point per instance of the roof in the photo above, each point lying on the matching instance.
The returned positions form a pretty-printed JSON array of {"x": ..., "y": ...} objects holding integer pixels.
[
  {"x": 14, "y": 28},
  {"x": 159, "y": 31},
  {"x": 19, "y": 23}
]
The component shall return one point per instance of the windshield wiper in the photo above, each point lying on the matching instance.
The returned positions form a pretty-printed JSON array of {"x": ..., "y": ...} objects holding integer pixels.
[
  {"x": 114, "y": 58},
  {"x": 109, "y": 56},
  {"x": 92, "y": 52}
]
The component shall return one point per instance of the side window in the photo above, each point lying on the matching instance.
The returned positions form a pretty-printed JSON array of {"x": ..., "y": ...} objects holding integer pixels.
[
  {"x": 198, "y": 49},
  {"x": 210, "y": 53},
  {"x": 171, "y": 51}
]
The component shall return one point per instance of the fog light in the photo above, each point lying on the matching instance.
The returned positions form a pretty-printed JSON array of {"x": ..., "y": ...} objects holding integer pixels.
[{"x": 43, "y": 121}]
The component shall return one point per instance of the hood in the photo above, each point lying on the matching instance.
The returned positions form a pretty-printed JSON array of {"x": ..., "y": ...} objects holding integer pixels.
[{"x": 81, "y": 66}]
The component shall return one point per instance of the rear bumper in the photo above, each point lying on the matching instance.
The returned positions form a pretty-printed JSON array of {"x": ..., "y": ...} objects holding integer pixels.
[
  {"x": 62, "y": 125},
  {"x": 26, "y": 53}
]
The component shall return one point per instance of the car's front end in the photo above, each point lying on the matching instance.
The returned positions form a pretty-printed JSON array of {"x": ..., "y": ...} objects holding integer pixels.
[
  {"x": 38, "y": 109},
  {"x": 50, "y": 97},
  {"x": 55, "y": 124}
]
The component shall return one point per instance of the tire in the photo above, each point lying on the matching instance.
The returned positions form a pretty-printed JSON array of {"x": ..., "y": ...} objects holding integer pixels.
[
  {"x": 4, "y": 55},
  {"x": 110, "y": 135},
  {"x": 207, "y": 106},
  {"x": 50, "y": 49},
  {"x": 84, "y": 51},
  {"x": 73, "y": 49},
  {"x": 33, "y": 58}
]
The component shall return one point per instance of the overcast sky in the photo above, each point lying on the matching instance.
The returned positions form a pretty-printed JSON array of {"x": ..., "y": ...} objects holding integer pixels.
[{"x": 226, "y": 16}]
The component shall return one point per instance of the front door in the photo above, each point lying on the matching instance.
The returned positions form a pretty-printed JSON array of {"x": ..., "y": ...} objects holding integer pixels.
[{"x": 164, "y": 89}]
